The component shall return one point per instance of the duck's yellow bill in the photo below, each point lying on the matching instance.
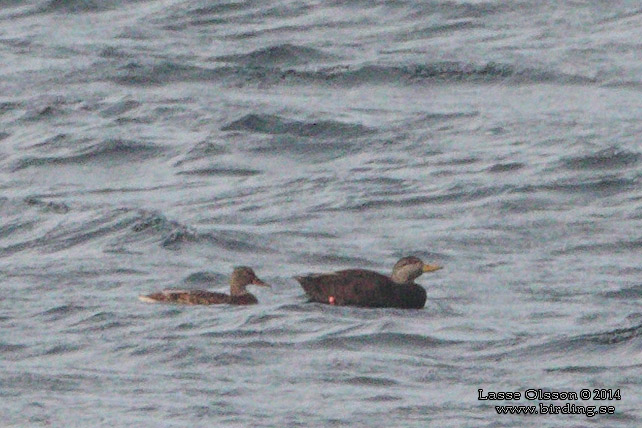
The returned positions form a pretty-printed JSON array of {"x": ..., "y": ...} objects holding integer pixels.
[{"x": 431, "y": 268}]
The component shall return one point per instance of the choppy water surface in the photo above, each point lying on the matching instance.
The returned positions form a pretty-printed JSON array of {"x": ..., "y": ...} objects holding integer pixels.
[{"x": 155, "y": 144}]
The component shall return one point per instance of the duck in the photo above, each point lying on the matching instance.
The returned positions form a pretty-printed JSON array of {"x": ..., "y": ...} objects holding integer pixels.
[
  {"x": 241, "y": 277},
  {"x": 370, "y": 289}
]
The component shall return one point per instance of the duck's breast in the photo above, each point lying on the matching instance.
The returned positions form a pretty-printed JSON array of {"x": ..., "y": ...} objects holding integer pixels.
[{"x": 245, "y": 299}]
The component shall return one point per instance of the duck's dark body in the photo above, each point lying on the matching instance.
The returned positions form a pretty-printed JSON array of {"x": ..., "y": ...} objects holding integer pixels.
[
  {"x": 199, "y": 297},
  {"x": 361, "y": 287}
]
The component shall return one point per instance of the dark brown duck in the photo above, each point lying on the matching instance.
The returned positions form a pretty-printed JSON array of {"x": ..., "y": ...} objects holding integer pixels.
[
  {"x": 242, "y": 276},
  {"x": 366, "y": 288}
]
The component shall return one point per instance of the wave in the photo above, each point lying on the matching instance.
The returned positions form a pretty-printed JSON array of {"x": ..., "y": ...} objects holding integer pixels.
[
  {"x": 609, "y": 158},
  {"x": 51, "y": 382},
  {"x": 48, "y": 206},
  {"x": 7, "y": 348},
  {"x": 321, "y": 149},
  {"x": 584, "y": 344},
  {"x": 174, "y": 235},
  {"x": 447, "y": 71},
  {"x": 73, "y": 233},
  {"x": 606, "y": 185},
  {"x": 433, "y": 30},
  {"x": 15, "y": 227},
  {"x": 634, "y": 292},
  {"x": 61, "y": 312},
  {"x": 205, "y": 278},
  {"x": 202, "y": 150},
  {"x": 76, "y": 6},
  {"x": 8, "y": 106},
  {"x": 611, "y": 337},
  {"x": 62, "y": 349},
  {"x": 506, "y": 167},
  {"x": 105, "y": 152},
  {"x": 461, "y": 9},
  {"x": 332, "y": 259},
  {"x": 185, "y": 16},
  {"x": 58, "y": 142},
  {"x": 221, "y": 172},
  {"x": 369, "y": 381},
  {"x": 220, "y": 8},
  {"x": 82, "y": 6},
  {"x": 76, "y": 233},
  {"x": 280, "y": 55},
  {"x": 604, "y": 248},
  {"x": 158, "y": 73},
  {"x": 452, "y": 196},
  {"x": 120, "y": 107},
  {"x": 257, "y": 73},
  {"x": 124, "y": 226},
  {"x": 276, "y": 125},
  {"x": 394, "y": 340},
  {"x": 46, "y": 112},
  {"x": 624, "y": 84},
  {"x": 489, "y": 72}
]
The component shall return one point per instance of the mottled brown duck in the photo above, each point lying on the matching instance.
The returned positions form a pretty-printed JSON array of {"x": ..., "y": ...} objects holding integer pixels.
[
  {"x": 242, "y": 276},
  {"x": 366, "y": 288}
]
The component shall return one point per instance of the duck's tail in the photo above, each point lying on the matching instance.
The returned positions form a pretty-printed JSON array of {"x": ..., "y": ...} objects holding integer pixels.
[{"x": 148, "y": 299}]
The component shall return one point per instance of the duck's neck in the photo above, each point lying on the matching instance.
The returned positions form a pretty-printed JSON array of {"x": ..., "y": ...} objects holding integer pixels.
[
  {"x": 237, "y": 288},
  {"x": 403, "y": 275},
  {"x": 397, "y": 278}
]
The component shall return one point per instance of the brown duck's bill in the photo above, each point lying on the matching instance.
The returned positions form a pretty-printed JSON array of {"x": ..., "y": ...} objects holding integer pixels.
[
  {"x": 260, "y": 283},
  {"x": 431, "y": 268}
]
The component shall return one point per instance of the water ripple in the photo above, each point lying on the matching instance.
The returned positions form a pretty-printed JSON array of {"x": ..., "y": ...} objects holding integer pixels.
[
  {"x": 108, "y": 151},
  {"x": 275, "y": 125}
]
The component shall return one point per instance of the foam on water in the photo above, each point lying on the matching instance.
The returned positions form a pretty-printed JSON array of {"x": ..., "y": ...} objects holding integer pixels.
[{"x": 149, "y": 145}]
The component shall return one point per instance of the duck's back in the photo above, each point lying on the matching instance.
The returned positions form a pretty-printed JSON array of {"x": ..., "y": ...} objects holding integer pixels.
[
  {"x": 187, "y": 297},
  {"x": 361, "y": 287}
]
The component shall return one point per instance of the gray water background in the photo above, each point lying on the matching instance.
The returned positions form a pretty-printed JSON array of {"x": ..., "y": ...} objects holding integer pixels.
[{"x": 155, "y": 144}]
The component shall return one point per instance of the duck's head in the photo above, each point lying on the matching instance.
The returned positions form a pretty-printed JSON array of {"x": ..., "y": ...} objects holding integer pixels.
[
  {"x": 242, "y": 276},
  {"x": 407, "y": 269}
]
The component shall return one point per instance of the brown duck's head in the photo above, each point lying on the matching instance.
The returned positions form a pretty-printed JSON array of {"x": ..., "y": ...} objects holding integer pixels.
[
  {"x": 407, "y": 269},
  {"x": 242, "y": 276}
]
